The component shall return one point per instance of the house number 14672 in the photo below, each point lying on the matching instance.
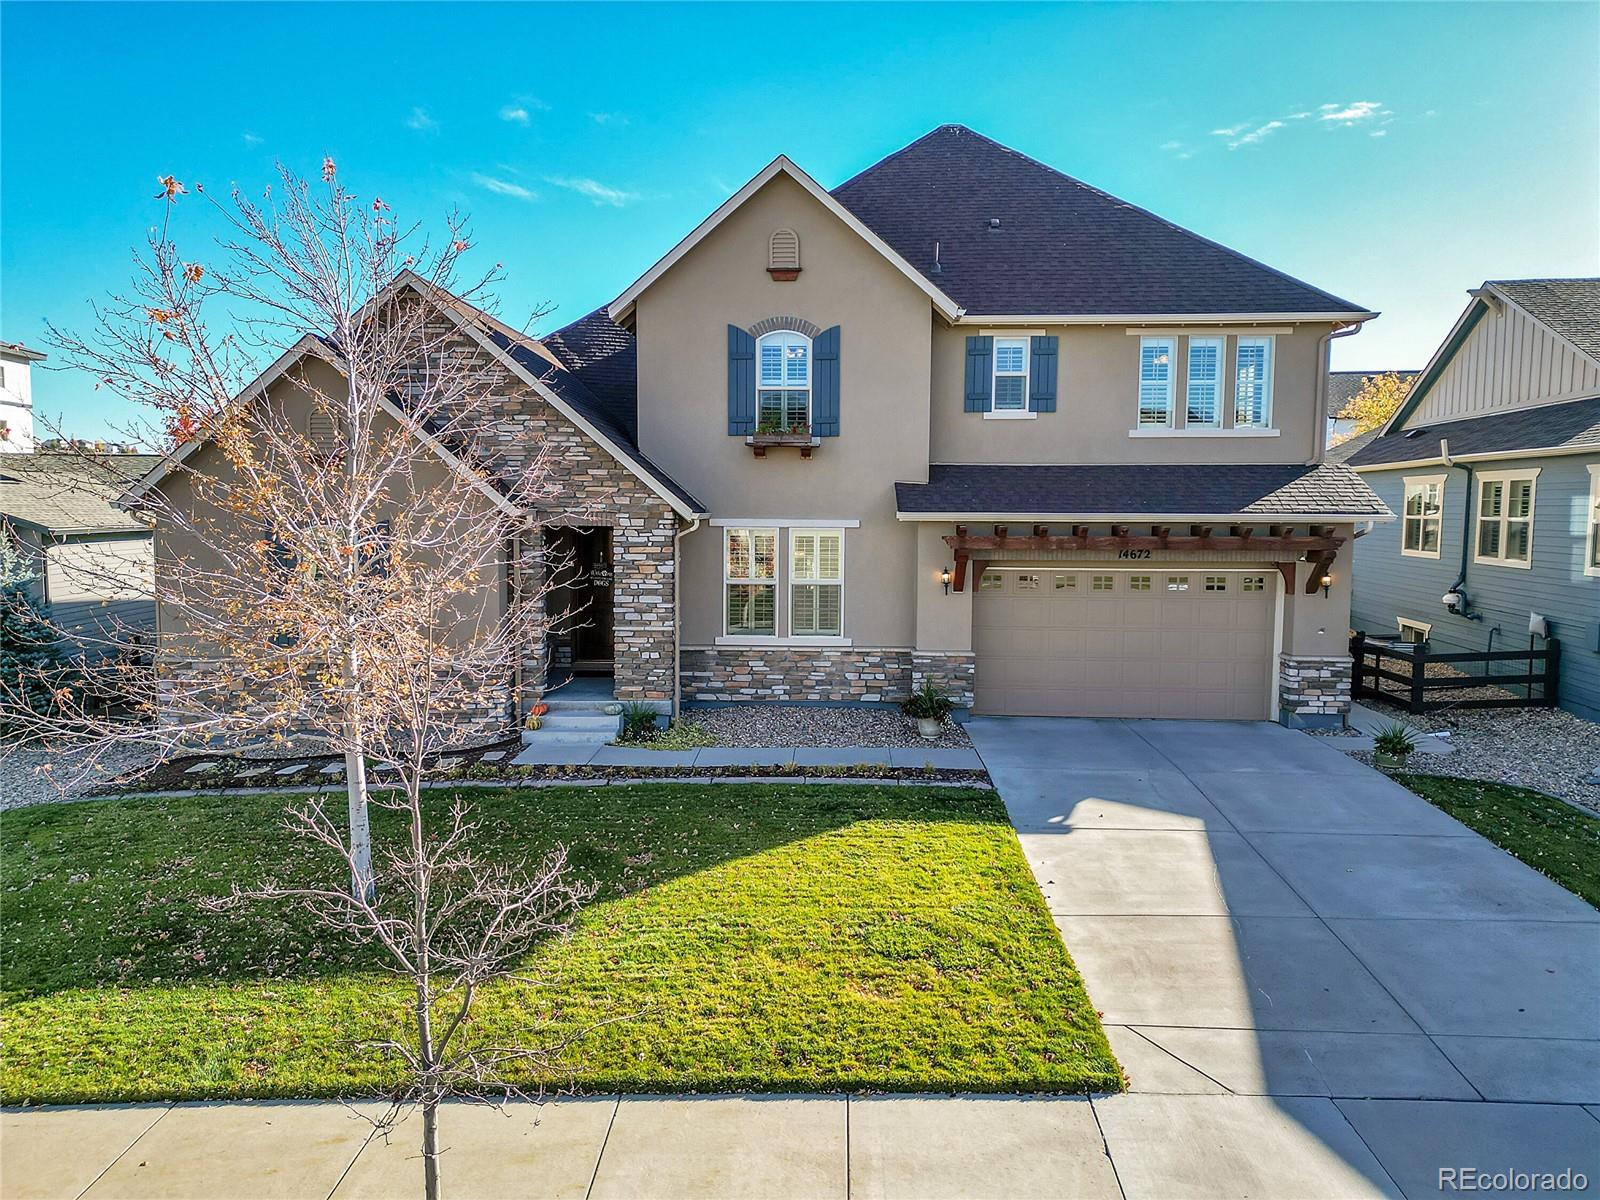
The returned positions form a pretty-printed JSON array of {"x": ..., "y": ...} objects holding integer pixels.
[{"x": 1133, "y": 554}]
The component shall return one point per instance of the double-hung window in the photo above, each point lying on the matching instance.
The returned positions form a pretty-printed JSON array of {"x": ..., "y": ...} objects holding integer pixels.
[
  {"x": 750, "y": 581},
  {"x": 1423, "y": 516},
  {"x": 1203, "y": 406},
  {"x": 1155, "y": 382},
  {"x": 1505, "y": 518},
  {"x": 1010, "y": 375},
  {"x": 1591, "y": 561},
  {"x": 816, "y": 582},
  {"x": 783, "y": 383},
  {"x": 1252, "y": 384}
]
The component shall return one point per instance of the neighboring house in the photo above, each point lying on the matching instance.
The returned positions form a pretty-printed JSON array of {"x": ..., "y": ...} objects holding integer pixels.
[
  {"x": 90, "y": 560},
  {"x": 16, "y": 397},
  {"x": 962, "y": 419},
  {"x": 1494, "y": 463},
  {"x": 1343, "y": 387}
]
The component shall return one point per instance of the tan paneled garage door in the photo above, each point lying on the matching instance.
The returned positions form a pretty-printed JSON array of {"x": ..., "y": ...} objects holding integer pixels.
[{"x": 1087, "y": 642}]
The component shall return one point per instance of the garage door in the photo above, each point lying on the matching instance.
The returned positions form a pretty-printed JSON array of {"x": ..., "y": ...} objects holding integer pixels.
[{"x": 1185, "y": 642}]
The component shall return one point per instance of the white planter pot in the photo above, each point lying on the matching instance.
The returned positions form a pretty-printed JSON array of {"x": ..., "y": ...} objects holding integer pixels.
[{"x": 928, "y": 727}]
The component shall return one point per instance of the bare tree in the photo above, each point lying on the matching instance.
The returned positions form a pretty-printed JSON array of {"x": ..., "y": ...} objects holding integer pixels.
[{"x": 335, "y": 555}]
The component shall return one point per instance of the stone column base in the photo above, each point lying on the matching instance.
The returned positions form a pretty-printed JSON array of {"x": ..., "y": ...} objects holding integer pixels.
[{"x": 1314, "y": 691}]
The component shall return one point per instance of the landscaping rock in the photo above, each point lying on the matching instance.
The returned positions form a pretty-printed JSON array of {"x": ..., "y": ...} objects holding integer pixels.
[{"x": 766, "y": 725}]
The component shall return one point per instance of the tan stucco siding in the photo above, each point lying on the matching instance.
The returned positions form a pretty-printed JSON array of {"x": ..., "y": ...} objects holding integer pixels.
[
  {"x": 1508, "y": 361},
  {"x": 885, "y": 323},
  {"x": 1097, "y": 392}
]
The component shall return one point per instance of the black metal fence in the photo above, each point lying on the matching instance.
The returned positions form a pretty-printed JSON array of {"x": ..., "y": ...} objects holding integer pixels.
[{"x": 1398, "y": 672}]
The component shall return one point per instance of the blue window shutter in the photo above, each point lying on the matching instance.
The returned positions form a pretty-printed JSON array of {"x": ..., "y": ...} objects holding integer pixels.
[
  {"x": 741, "y": 382},
  {"x": 980, "y": 374},
  {"x": 825, "y": 384},
  {"x": 1042, "y": 375}
]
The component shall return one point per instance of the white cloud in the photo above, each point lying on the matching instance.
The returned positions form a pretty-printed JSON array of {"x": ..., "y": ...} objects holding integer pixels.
[
  {"x": 608, "y": 118},
  {"x": 1299, "y": 116},
  {"x": 515, "y": 113},
  {"x": 594, "y": 190},
  {"x": 1173, "y": 145},
  {"x": 1379, "y": 133},
  {"x": 252, "y": 139},
  {"x": 1359, "y": 110},
  {"x": 1235, "y": 131},
  {"x": 503, "y": 187},
  {"x": 421, "y": 121},
  {"x": 1255, "y": 135}
]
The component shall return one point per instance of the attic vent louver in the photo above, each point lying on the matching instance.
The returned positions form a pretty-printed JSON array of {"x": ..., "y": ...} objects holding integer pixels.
[{"x": 783, "y": 255}]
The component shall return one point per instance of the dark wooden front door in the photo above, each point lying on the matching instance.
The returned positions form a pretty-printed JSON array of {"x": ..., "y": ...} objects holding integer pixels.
[{"x": 591, "y": 597}]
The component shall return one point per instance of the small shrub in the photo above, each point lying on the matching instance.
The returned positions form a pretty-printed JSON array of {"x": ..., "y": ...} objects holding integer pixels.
[
  {"x": 681, "y": 735},
  {"x": 928, "y": 702},
  {"x": 638, "y": 722},
  {"x": 1394, "y": 740}
]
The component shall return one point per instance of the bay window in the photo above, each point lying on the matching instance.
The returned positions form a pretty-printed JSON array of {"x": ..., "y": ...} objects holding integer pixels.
[
  {"x": 1423, "y": 516},
  {"x": 1505, "y": 517},
  {"x": 1155, "y": 382},
  {"x": 783, "y": 381},
  {"x": 1252, "y": 384},
  {"x": 750, "y": 581}
]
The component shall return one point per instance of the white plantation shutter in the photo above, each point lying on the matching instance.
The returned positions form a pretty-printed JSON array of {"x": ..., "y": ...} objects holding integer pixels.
[
  {"x": 1155, "y": 381},
  {"x": 816, "y": 591},
  {"x": 1204, "y": 404},
  {"x": 1252, "y": 401},
  {"x": 1010, "y": 374}
]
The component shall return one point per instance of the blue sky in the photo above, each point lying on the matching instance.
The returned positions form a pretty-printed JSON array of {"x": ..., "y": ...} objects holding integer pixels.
[{"x": 1394, "y": 154}]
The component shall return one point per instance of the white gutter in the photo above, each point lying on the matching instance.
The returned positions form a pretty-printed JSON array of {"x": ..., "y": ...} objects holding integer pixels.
[
  {"x": 1165, "y": 319},
  {"x": 1234, "y": 518}
]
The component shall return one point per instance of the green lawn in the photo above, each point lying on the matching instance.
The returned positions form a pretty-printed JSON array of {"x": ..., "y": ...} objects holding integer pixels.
[
  {"x": 1549, "y": 835},
  {"x": 787, "y": 937}
]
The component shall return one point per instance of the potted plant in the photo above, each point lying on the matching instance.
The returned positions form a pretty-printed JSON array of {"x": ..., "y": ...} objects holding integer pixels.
[
  {"x": 535, "y": 719},
  {"x": 1392, "y": 746},
  {"x": 927, "y": 706}
]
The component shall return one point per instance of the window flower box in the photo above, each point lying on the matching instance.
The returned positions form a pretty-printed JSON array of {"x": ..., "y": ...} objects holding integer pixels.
[{"x": 798, "y": 436}]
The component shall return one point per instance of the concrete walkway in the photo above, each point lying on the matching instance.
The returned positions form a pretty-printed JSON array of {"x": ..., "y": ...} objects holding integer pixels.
[
  {"x": 602, "y": 755},
  {"x": 1292, "y": 951}
]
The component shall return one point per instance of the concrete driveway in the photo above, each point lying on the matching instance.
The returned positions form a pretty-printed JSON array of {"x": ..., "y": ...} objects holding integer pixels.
[{"x": 1256, "y": 914}]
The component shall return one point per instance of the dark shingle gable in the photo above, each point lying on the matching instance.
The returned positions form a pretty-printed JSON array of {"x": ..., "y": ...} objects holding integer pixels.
[
  {"x": 1061, "y": 247},
  {"x": 605, "y": 359},
  {"x": 1571, "y": 307},
  {"x": 1573, "y": 426}
]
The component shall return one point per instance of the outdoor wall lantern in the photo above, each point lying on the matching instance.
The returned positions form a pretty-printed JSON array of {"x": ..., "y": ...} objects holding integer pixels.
[
  {"x": 944, "y": 578},
  {"x": 1327, "y": 582}
]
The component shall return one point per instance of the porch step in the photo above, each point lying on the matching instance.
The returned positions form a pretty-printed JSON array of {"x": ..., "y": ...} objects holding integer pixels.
[
  {"x": 566, "y": 737},
  {"x": 577, "y": 721}
]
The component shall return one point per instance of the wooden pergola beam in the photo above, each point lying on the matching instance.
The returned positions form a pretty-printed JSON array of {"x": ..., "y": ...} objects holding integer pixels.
[{"x": 1288, "y": 544}]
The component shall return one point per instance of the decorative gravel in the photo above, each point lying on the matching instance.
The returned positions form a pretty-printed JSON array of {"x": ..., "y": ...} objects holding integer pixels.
[
  {"x": 1547, "y": 749},
  {"x": 40, "y": 777},
  {"x": 795, "y": 725}
]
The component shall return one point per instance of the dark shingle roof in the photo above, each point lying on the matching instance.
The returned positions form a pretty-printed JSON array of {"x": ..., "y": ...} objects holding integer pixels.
[
  {"x": 1571, "y": 307},
  {"x": 1574, "y": 425},
  {"x": 1268, "y": 489},
  {"x": 1061, "y": 247},
  {"x": 70, "y": 493},
  {"x": 604, "y": 357},
  {"x": 1345, "y": 386}
]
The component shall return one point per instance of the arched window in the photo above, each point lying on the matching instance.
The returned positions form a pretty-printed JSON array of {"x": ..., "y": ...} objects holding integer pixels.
[
  {"x": 783, "y": 251},
  {"x": 783, "y": 380}
]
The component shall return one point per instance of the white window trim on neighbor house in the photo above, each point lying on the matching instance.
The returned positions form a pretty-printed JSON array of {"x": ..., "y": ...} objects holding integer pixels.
[
  {"x": 1024, "y": 340},
  {"x": 1591, "y": 562},
  {"x": 1505, "y": 479},
  {"x": 783, "y": 580},
  {"x": 783, "y": 385},
  {"x": 1407, "y": 625},
  {"x": 1167, "y": 382},
  {"x": 1418, "y": 485}
]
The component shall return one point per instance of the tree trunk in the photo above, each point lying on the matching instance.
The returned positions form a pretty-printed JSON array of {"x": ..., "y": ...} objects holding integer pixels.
[
  {"x": 355, "y": 784},
  {"x": 430, "y": 1149}
]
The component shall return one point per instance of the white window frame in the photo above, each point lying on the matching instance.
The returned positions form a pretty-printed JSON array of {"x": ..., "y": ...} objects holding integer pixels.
[
  {"x": 1419, "y": 485},
  {"x": 1218, "y": 382},
  {"x": 995, "y": 412},
  {"x": 731, "y": 580},
  {"x": 1407, "y": 625},
  {"x": 1505, "y": 479},
  {"x": 1591, "y": 546},
  {"x": 797, "y": 580},
  {"x": 785, "y": 386},
  {"x": 1171, "y": 344},
  {"x": 1269, "y": 370}
]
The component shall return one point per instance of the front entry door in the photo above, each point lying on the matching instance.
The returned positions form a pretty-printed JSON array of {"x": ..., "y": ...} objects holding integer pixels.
[{"x": 591, "y": 601}]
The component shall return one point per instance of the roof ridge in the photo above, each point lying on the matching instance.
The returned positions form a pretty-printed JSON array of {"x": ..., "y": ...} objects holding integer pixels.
[{"x": 1548, "y": 279}]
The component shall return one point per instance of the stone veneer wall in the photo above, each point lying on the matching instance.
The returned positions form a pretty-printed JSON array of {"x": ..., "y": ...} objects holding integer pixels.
[
  {"x": 819, "y": 673},
  {"x": 1313, "y": 692},
  {"x": 592, "y": 489}
]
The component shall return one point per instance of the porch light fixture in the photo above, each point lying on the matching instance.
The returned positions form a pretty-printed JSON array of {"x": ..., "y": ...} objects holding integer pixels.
[
  {"x": 944, "y": 578},
  {"x": 1327, "y": 582}
]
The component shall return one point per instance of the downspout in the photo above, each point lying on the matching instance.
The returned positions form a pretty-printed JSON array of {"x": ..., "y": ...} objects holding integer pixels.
[
  {"x": 1466, "y": 534},
  {"x": 677, "y": 613},
  {"x": 1324, "y": 347}
]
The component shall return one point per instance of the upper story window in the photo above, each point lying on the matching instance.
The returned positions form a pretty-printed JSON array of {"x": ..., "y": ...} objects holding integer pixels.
[
  {"x": 783, "y": 378},
  {"x": 1505, "y": 517},
  {"x": 1423, "y": 516},
  {"x": 1155, "y": 382},
  {"x": 1203, "y": 406},
  {"x": 1252, "y": 383},
  {"x": 1010, "y": 374}
]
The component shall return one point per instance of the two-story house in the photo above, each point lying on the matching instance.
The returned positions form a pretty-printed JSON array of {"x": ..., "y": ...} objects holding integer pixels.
[
  {"x": 1493, "y": 462},
  {"x": 962, "y": 418}
]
